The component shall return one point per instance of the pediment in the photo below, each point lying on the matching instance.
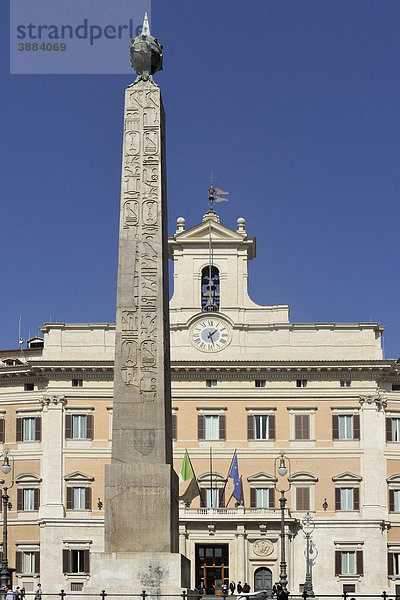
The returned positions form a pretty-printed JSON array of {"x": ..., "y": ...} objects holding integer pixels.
[
  {"x": 303, "y": 476},
  {"x": 78, "y": 476},
  {"x": 28, "y": 478},
  {"x": 346, "y": 476},
  {"x": 201, "y": 232},
  {"x": 261, "y": 477},
  {"x": 394, "y": 478},
  {"x": 206, "y": 478}
]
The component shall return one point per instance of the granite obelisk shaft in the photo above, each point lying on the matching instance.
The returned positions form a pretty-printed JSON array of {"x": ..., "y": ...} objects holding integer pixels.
[{"x": 141, "y": 506}]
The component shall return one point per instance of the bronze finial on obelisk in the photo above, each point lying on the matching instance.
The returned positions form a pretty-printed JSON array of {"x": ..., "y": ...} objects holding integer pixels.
[{"x": 146, "y": 53}]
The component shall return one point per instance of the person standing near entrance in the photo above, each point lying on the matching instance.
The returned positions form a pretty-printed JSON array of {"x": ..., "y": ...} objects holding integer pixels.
[
  {"x": 232, "y": 587},
  {"x": 239, "y": 588}
]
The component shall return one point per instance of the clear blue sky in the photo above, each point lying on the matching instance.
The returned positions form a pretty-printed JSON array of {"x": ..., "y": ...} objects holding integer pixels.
[{"x": 293, "y": 104}]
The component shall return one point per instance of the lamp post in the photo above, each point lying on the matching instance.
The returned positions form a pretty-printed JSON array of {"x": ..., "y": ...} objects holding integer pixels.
[
  {"x": 6, "y": 571},
  {"x": 308, "y": 524},
  {"x": 282, "y": 472}
]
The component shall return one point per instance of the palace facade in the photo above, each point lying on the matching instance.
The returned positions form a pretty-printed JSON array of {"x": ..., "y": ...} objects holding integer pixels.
[{"x": 245, "y": 379}]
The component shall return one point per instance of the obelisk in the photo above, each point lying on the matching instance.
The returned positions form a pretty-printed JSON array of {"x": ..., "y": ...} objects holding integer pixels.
[
  {"x": 141, "y": 487},
  {"x": 141, "y": 507}
]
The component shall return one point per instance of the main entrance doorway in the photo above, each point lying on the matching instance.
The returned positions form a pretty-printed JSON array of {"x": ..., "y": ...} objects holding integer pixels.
[
  {"x": 263, "y": 580},
  {"x": 212, "y": 567}
]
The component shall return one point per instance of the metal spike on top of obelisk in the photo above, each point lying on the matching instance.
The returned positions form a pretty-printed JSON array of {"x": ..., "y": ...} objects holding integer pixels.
[{"x": 141, "y": 486}]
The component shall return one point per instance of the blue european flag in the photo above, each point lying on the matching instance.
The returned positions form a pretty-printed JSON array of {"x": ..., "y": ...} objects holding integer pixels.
[{"x": 234, "y": 474}]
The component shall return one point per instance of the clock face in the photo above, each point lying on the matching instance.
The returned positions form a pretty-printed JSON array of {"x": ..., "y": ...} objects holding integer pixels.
[{"x": 210, "y": 334}]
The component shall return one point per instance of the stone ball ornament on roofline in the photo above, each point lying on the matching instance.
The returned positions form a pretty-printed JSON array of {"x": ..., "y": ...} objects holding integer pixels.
[{"x": 146, "y": 54}]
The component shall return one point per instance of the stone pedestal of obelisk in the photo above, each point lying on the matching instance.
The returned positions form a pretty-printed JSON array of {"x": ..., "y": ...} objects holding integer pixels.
[{"x": 141, "y": 487}]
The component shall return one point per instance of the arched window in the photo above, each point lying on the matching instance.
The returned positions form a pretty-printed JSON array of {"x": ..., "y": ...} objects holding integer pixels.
[{"x": 210, "y": 289}]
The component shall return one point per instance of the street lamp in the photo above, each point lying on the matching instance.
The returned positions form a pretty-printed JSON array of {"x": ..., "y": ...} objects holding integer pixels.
[
  {"x": 282, "y": 472},
  {"x": 6, "y": 571},
  {"x": 308, "y": 528}
]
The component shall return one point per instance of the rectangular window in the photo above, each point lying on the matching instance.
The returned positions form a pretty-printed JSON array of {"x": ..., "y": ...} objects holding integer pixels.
[
  {"x": 396, "y": 563},
  {"x": 301, "y": 427},
  {"x": 261, "y": 427},
  {"x": 262, "y": 498},
  {"x": 79, "y": 498},
  {"x": 211, "y": 427},
  {"x": 301, "y": 383},
  {"x": 345, "y": 427},
  {"x": 395, "y": 429},
  {"x": 346, "y": 499},
  {"x": 79, "y": 427},
  {"x": 77, "y": 561},
  {"x": 29, "y": 424},
  {"x": 345, "y": 383},
  {"x": 29, "y": 387},
  {"x": 211, "y": 383},
  {"x": 28, "y": 562},
  {"x": 260, "y": 383},
  {"x": 302, "y": 498},
  {"x": 395, "y": 387},
  {"x": 77, "y": 383},
  {"x": 348, "y": 563},
  {"x": 212, "y": 497},
  {"x": 29, "y": 499}
]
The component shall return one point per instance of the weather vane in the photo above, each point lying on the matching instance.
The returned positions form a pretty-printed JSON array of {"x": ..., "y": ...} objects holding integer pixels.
[{"x": 214, "y": 194}]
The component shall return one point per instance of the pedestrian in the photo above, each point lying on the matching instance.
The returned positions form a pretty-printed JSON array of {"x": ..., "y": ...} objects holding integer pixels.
[
  {"x": 246, "y": 590},
  {"x": 224, "y": 589},
  {"x": 22, "y": 593},
  {"x": 18, "y": 594},
  {"x": 10, "y": 595},
  {"x": 202, "y": 588},
  {"x": 282, "y": 594},
  {"x": 239, "y": 587},
  {"x": 275, "y": 588},
  {"x": 38, "y": 592},
  {"x": 232, "y": 587}
]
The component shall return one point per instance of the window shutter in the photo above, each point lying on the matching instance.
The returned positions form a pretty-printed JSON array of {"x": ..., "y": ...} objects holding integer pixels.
[
  {"x": 68, "y": 427},
  {"x": 86, "y": 561},
  {"x": 391, "y": 500},
  {"x": 253, "y": 497},
  {"x": 388, "y": 429},
  {"x": 360, "y": 566},
  {"x": 297, "y": 427},
  {"x": 38, "y": 429},
  {"x": 356, "y": 498},
  {"x": 202, "y": 497},
  {"x": 1, "y": 430},
  {"x": 20, "y": 499},
  {"x": 306, "y": 427},
  {"x": 222, "y": 427},
  {"x": 89, "y": 427},
  {"x": 36, "y": 501},
  {"x": 250, "y": 427},
  {"x": 174, "y": 428},
  {"x": 356, "y": 427},
  {"x": 271, "y": 497},
  {"x": 88, "y": 498},
  {"x": 337, "y": 499},
  {"x": 18, "y": 562},
  {"x": 66, "y": 561},
  {"x": 306, "y": 498},
  {"x": 37, "y": 562},
  {"x": 70, "y": 501},
  {"x": 299, "y": 498},
  {"x": 338, "y": 562},
  {"x": 200, "y": 427},
  {"x": 221, "y": 497},
  {"x": 390, "y": 564},
  {"x": 335, "y": 427},
  {"x": 271, "y": 427},
  {"x": 19, "y": 430}
]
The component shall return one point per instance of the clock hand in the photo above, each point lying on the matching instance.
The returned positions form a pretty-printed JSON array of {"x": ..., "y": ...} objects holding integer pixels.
[{"x": 210, "y": 335}]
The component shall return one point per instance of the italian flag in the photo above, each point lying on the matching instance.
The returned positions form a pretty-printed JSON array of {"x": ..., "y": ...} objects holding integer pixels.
[{"x": 187, "y": 470}]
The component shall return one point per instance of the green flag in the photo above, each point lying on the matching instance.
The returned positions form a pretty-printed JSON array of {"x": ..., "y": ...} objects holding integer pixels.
[
  {"x": 186, "y": 471},
  {"x": 191, "y": 492}
]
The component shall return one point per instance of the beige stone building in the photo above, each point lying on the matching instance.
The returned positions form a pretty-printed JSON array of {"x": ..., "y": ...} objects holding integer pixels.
[{"x": 244, "y": 378}]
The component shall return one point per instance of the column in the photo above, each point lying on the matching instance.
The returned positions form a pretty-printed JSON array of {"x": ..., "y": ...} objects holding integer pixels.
[
  {"x": 240, "y": 554},
  {"x": 182, "y": 539},
  {"x": 51, "y": 493}
]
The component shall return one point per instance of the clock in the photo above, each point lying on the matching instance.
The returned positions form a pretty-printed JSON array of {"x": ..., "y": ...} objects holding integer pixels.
[{"x": 210, "y": 334}]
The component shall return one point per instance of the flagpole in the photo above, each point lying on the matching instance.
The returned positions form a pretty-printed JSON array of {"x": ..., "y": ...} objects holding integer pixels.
[
  {"x": 211, "y": 477},
  {"x": 227, "y": 477}
]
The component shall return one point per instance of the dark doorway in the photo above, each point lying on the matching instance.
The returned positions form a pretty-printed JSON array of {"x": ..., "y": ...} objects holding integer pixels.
[
  {"x": 263, "y": 580},
  {"x": 212, "y": 567}
]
